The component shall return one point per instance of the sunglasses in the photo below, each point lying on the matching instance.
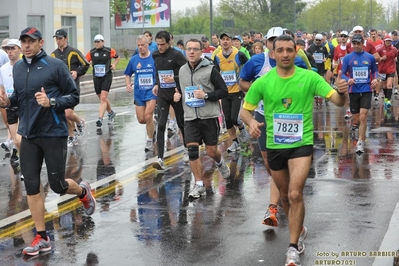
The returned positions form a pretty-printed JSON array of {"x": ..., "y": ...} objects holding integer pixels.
[
  {"x": 318, "y": 40},
  {"x": 97, "y": 41}
]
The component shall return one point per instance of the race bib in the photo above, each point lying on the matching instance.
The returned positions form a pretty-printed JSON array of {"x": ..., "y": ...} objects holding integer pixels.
[
  {"x": 163, "y": 76},
  {"x": 287, "y": 128},
  {"x": 190, "y": 99},
  {"x": 99, "y": 70},
  {"x": 360, "y": 74},
  {"x": 318, "y": 58},
  {"x": 146, "y": 82},
  {"x": 9, "y": 91},
  {"x": 229, "y": 77}
]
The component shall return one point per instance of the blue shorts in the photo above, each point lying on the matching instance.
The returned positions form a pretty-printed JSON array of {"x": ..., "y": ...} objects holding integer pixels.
[{"x": 143, "y": 96}]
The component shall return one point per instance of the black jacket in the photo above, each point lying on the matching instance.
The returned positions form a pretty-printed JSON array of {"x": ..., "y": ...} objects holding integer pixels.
[
  {"x": 170, "y": 60},
  {"x": 53, "y": 75},
  {"x": 74, "y": 60}
]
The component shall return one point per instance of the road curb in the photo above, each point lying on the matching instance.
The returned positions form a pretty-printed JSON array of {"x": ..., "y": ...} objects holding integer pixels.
[{"x": 390, "y": 243}]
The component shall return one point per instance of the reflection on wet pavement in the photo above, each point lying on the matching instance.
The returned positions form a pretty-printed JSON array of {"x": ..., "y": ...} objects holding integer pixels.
[{"x": 144, "y": 216}]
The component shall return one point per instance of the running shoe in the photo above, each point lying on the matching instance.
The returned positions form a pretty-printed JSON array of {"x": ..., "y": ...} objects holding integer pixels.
[
  {"x": 302, "y": 237},
  {"x": 395, "y": 91},
  {"x": 72, "y": 141},
  {"x": 38, "y": 245},
  {"x": 89, "y": 202},
  {"x": 348, "y": 114},
  {"x": 354, "y": 127},
  {"x": 99, "y": 123},
  {"x": 81, "y": 126},
  {"x": 271, "y": 216},
  {"x": 14, "y": 157},
  {"x": 6, "y": 145},
  {"x": 292, "y": 257},
  {"x": 376, "y": 97},
  {"x": 197, "y": 192},
  {"x": 234, "y": 147},
  {"x": 360, "y": 147},
  {"x": 387, "y": 104},
  {"x": 159, "y": 165},
  {"x": 171, "y": 128},
  {"x": 149, "y": 146},
  {"x": 224, "y": 170},
  {"x": 111, "y": 117}
]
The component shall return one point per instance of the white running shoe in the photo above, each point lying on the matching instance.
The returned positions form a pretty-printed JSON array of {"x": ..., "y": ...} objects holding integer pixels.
[
  {"x": 235, "y": 146},
  {"x": 197, "y": 192},
  {"x": 360, "y": 146},
  {"x": 292, "y": 257},
  {"x": 302, "y": 237},
  {"x": 149, "y": 146}
]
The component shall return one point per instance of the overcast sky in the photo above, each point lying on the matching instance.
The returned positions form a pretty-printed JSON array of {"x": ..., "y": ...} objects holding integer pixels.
[{"x": 183, "y": 4}]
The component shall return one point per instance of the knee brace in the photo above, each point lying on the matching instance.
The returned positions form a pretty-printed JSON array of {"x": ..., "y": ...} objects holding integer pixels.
[{"x": 193, "y": 153}]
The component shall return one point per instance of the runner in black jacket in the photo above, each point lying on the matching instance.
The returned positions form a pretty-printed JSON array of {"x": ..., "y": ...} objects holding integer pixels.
[
  {"x": 78, "y": 66},
  {"x": 167, "y": 62},
  {"x": 43, "y": 89}
]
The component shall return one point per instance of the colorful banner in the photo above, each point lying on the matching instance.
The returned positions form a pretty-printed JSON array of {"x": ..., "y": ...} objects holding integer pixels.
[{"x": 156, "y": 14}]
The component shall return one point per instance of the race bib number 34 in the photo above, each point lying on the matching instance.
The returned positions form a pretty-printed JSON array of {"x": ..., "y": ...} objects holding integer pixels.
[
  {"x": 190, "y": 98},
  {"x": 287, "y": 128}
]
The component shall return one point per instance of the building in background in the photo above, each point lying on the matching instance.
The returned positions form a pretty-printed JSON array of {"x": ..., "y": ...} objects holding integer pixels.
[{"x": 83, "y": 19}]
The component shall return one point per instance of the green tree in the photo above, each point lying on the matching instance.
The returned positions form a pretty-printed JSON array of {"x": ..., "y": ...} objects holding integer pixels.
[
  {"x": 328, "y": 15},
  {"x": 260, "y": 15},
  {"x": 392, "y": 17},
  {"x": 116, "y": 6}
]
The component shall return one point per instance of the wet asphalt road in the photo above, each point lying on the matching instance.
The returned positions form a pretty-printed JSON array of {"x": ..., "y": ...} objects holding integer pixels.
[{"x": 145, "y": 218}]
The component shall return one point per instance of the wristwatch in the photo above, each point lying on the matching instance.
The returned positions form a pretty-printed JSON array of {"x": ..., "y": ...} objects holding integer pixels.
[
  {"x": 205, "y": 96},
  {"x": 52, "y": 102}
]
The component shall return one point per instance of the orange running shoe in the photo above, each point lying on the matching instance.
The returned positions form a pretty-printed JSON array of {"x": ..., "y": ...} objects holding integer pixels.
[{"x": 271, "y": 216}]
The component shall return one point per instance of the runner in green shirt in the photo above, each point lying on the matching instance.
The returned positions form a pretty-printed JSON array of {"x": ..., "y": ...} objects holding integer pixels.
[
  {"x": 288, "y": 92},
  {"x": 237, "y": 42}
]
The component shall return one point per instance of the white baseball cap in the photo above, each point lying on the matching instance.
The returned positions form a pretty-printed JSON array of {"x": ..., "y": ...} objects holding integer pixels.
[
  {"x": 98, "y": 37},
  {"x": 274, "y": 32},
  {"x": 344, "y": 32},
  {"x": 358, "y": 28},
  {"x": 318, "y": 36},
  {"x": 4, "y": 42},
  {"x": 12, "y": 43}
]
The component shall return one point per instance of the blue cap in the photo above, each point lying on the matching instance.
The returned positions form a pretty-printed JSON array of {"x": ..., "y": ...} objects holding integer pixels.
[{"x": 237, "y": 37}]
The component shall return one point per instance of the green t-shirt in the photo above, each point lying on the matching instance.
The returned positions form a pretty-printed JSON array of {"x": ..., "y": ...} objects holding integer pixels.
[
  {"x": 245, "y": 51},
  {"x": 288, "y": 106}
]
